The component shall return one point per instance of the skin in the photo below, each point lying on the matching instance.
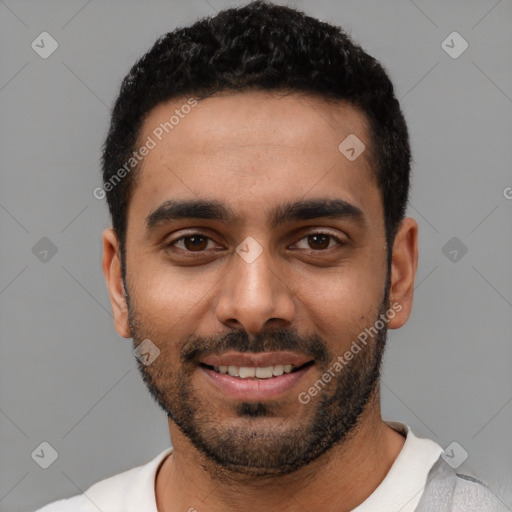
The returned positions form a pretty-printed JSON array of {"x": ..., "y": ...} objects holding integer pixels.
[{"x": 253, "y": 151}]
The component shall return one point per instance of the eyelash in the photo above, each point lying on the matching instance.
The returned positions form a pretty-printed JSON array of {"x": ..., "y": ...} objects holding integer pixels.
[{"x": 172, "y": 243}]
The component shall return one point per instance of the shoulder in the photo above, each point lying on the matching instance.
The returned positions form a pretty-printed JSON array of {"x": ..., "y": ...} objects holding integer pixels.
[
  {"x": 471, "y": 494},
  {"x": 132, "y": 490},
  {"x": 449, "y": 491},
  {"x": 76, "y": 503}
]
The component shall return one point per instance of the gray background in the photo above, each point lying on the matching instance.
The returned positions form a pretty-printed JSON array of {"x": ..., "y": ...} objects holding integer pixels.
[{"x": 68, "y": 379}]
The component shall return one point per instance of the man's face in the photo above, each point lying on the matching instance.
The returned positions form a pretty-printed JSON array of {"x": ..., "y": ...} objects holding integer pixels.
[{"x": 278, "y": 289}]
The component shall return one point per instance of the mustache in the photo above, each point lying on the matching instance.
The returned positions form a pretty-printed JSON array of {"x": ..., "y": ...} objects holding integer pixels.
[{"x": 270, "y": 340}]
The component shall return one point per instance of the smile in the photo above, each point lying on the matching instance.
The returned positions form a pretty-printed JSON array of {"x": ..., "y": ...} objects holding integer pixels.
[
  {"x": 254, "y": 376},
  {"x": 256, "y": 372}
]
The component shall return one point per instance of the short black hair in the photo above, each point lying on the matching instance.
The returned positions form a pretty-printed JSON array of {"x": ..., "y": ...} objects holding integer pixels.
[{"x": 266, "y": 47}]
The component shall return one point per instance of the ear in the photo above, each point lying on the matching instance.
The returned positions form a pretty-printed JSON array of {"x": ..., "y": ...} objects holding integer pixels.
[
  {"x": 114, "y": 280},
  {"x": 403, "y": 271}
]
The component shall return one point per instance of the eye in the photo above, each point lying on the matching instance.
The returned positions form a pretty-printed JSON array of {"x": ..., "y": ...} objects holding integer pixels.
[
  {"x": 198, "y": 243},
  {"x": 320, "y": 241},
  {"x": 195, "y": 242}
]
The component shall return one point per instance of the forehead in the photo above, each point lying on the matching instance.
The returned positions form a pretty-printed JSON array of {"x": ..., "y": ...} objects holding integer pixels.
[{"x": 253, "y": 148}]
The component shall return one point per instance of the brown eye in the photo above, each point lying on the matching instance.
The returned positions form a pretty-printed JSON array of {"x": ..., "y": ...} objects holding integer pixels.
[
  {"x": 191, "y": 243},
  {"x": 195, "y": 243},
  {"x": 319, "y": 242}
]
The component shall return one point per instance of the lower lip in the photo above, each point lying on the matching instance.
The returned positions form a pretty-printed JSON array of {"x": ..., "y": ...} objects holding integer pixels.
[{"x": 252, "y": 389}]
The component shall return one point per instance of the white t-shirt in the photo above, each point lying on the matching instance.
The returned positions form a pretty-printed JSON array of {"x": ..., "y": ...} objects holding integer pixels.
[{"x": 401, "y": 489}]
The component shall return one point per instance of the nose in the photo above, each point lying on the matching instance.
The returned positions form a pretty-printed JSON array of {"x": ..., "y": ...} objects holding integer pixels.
[{"x": 254, "y": 294}]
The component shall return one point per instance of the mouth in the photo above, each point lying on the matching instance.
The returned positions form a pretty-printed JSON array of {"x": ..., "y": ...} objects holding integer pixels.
[
  {"x": 251, "y": 376},
  {"x": 256, "y": 372}
]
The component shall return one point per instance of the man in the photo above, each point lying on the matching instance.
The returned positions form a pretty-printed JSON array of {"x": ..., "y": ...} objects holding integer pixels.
[{"x": 257, "y": 174}]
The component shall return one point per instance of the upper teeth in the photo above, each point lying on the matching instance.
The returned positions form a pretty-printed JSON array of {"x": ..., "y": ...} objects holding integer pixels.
[{"x": 245, "y": 372}]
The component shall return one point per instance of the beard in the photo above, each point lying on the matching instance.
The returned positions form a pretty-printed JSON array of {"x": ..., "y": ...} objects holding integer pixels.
[{"x": 257, "y": 439}]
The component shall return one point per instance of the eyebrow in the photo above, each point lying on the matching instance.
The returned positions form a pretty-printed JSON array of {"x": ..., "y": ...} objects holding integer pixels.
[{"x": 301, "y": 210}]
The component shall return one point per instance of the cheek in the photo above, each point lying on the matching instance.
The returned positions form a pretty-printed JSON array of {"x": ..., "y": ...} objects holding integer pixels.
[
  {"x": 341, "y": 302},
  {"x": 169, "y": 299}
]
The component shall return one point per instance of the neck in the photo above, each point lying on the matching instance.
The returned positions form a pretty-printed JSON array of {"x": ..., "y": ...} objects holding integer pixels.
[{"x": 339, "y": 480}]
